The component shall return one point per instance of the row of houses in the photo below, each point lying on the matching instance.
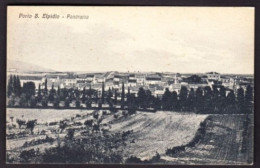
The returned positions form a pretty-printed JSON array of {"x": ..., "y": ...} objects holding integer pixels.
[{"x": 156, "y": 83}]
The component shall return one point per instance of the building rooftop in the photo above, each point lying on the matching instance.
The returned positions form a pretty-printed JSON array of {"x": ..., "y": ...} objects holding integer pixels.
[
  {"x": 212, "y": 73},
  {"x": 153, "y": 78}
]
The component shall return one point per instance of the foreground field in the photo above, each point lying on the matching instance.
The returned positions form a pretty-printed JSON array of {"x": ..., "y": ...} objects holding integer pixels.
[
  {"x": 155, "y": 132},
  {"x": 228, "y": 140},
  {"x": 142, "y": 135}
]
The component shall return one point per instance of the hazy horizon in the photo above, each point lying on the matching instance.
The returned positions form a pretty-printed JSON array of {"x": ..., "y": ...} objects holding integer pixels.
[
  {"x": 145, "y": 39},
  {"x": 93, "y": 71}
]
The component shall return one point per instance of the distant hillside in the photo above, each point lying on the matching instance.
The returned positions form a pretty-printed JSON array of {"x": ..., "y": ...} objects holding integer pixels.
[{"x": 25, "y": 67}]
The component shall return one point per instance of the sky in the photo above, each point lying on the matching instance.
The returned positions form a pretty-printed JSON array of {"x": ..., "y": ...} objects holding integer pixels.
[{"x": 158, "y": 39}]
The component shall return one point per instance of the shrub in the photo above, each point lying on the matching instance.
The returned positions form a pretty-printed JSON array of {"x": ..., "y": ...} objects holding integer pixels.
[
  {"x": 63, "y": 125},
  {"x": 175, "y": 150},
  {"x": 156, "y": 158},
  {"x": 125, "y": 113},
  {"x": 78, "y": 104},
  {"x": 115, "y": 116},
  {"x": 95, "y": 127},
  {"x": 77, "y": 115},
  {"x": 26, "y": 155},
  {"x": 104, "y": 112},
  {"x": 53, "y": 123},
  {"x": 70, "y": 134},
  {"x": 88, "y": 123},
  {"x": 95, "y": 115},
  {"x": 77, "y": 124},
  {"x": 133, "y": 159},
  {"x": 31, "y": 124},
  {"x": 74, "y": 152},
  {"x": 20, "y": 123}
]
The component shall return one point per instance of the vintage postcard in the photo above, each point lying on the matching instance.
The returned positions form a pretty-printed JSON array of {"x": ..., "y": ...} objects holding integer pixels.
[{"x": 130, "y": 85}]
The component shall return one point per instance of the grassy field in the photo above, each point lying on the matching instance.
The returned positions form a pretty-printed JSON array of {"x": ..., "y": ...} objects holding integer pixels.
[
  {"x": 149, "y": 133},
  {"x": 228, "y": 140}
]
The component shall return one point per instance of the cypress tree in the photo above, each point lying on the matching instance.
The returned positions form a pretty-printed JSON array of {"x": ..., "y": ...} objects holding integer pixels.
[
  {"x": 123, "y": 95},
  {"x": 15, "y": 85},
  {"x": 90, "y": 92},
  {"x": 83, "y": 95},
  {"x": 115, "y": 101},
  {"x": 216, "y": 102},
  {"x": 149, "y": 98},
  {"x": 207, "y": 100},
  {"x": 10, "y": 86},
  {"x": 19, "y": 88},
  {"x": 109, "y": 95},
  {"x": 142, "y": 97},
  {"x": 58, "y": 91},
  {"x": 183, "y": 97},
  {"x": 128, "y": 94},
  {"x": 39, "y": 94},
  {"x": 249, "y": 98},
  {"x": 52, "y": 92},
  {"x": 45, "y": 87},
  {"x": 240, "y": 99},
  {"x": 174, "y": 100},
  {"x": 231, "y": 101},
  {"x": 166, "y": 100},
  {"x": 103, "y": 93},
  {"x": 199, "y": 100},
  {"x": 190, "y": 100},
  {"x": 223, "y": 102}
]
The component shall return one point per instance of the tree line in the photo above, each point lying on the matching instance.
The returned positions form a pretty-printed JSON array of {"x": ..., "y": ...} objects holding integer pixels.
[{"x": 201, "y": 100}]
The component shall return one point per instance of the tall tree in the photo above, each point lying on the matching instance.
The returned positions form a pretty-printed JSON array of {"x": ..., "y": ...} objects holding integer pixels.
[
  {"x": 18, "y": 85},
  {"x": 115, "y": 100},
  {"x": 191, "y": 100},
  {"x": 183, "y": 97},
  {"x": 123, "y": 96},
  {"x": 45, "y": 87},
  {"x": 149, "y": 98},
  {"x": 128, "y": 93},
  {"x": 58, "y": 91},
  {"x": 15, "y": 85},
  {"x": 109, "y": 95},
  {"x": 39, "y": 93},
  {"x": 166, "y": 100},
  {"x": 216, "y": 100},
  {"x": 10, "y": 86},
  {"x": 89, "y": 92},
  {"x": 241, "y": 99},
  {"x": 157, "y": 103},
  {"x": 207, "y": 100},
  {"x": 83, "y": 99},
  {"x": 131, "y": 103},
  {"x": 128, "y": 90},
  {"x": 223, "y": 103},
  {"x": 231, "y": 102},
  {"x": 249, "y": 98},
  {"x": 103, "y": 93},
  {"x": 52, "y": 93},
  {"x": 231, "y": 98},
  {"x": 29, "y": 89},
  {"x": 141, "y": 97},
  {"x": 199, "y": 100},
  {"x": 174, "y": 100}
]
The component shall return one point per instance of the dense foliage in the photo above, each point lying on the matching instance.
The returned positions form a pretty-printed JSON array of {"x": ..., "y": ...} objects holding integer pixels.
[{"x": 202, "y": 100}]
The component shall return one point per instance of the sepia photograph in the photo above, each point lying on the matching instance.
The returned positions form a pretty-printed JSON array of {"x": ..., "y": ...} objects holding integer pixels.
[{"x": 130, "y": 85}]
